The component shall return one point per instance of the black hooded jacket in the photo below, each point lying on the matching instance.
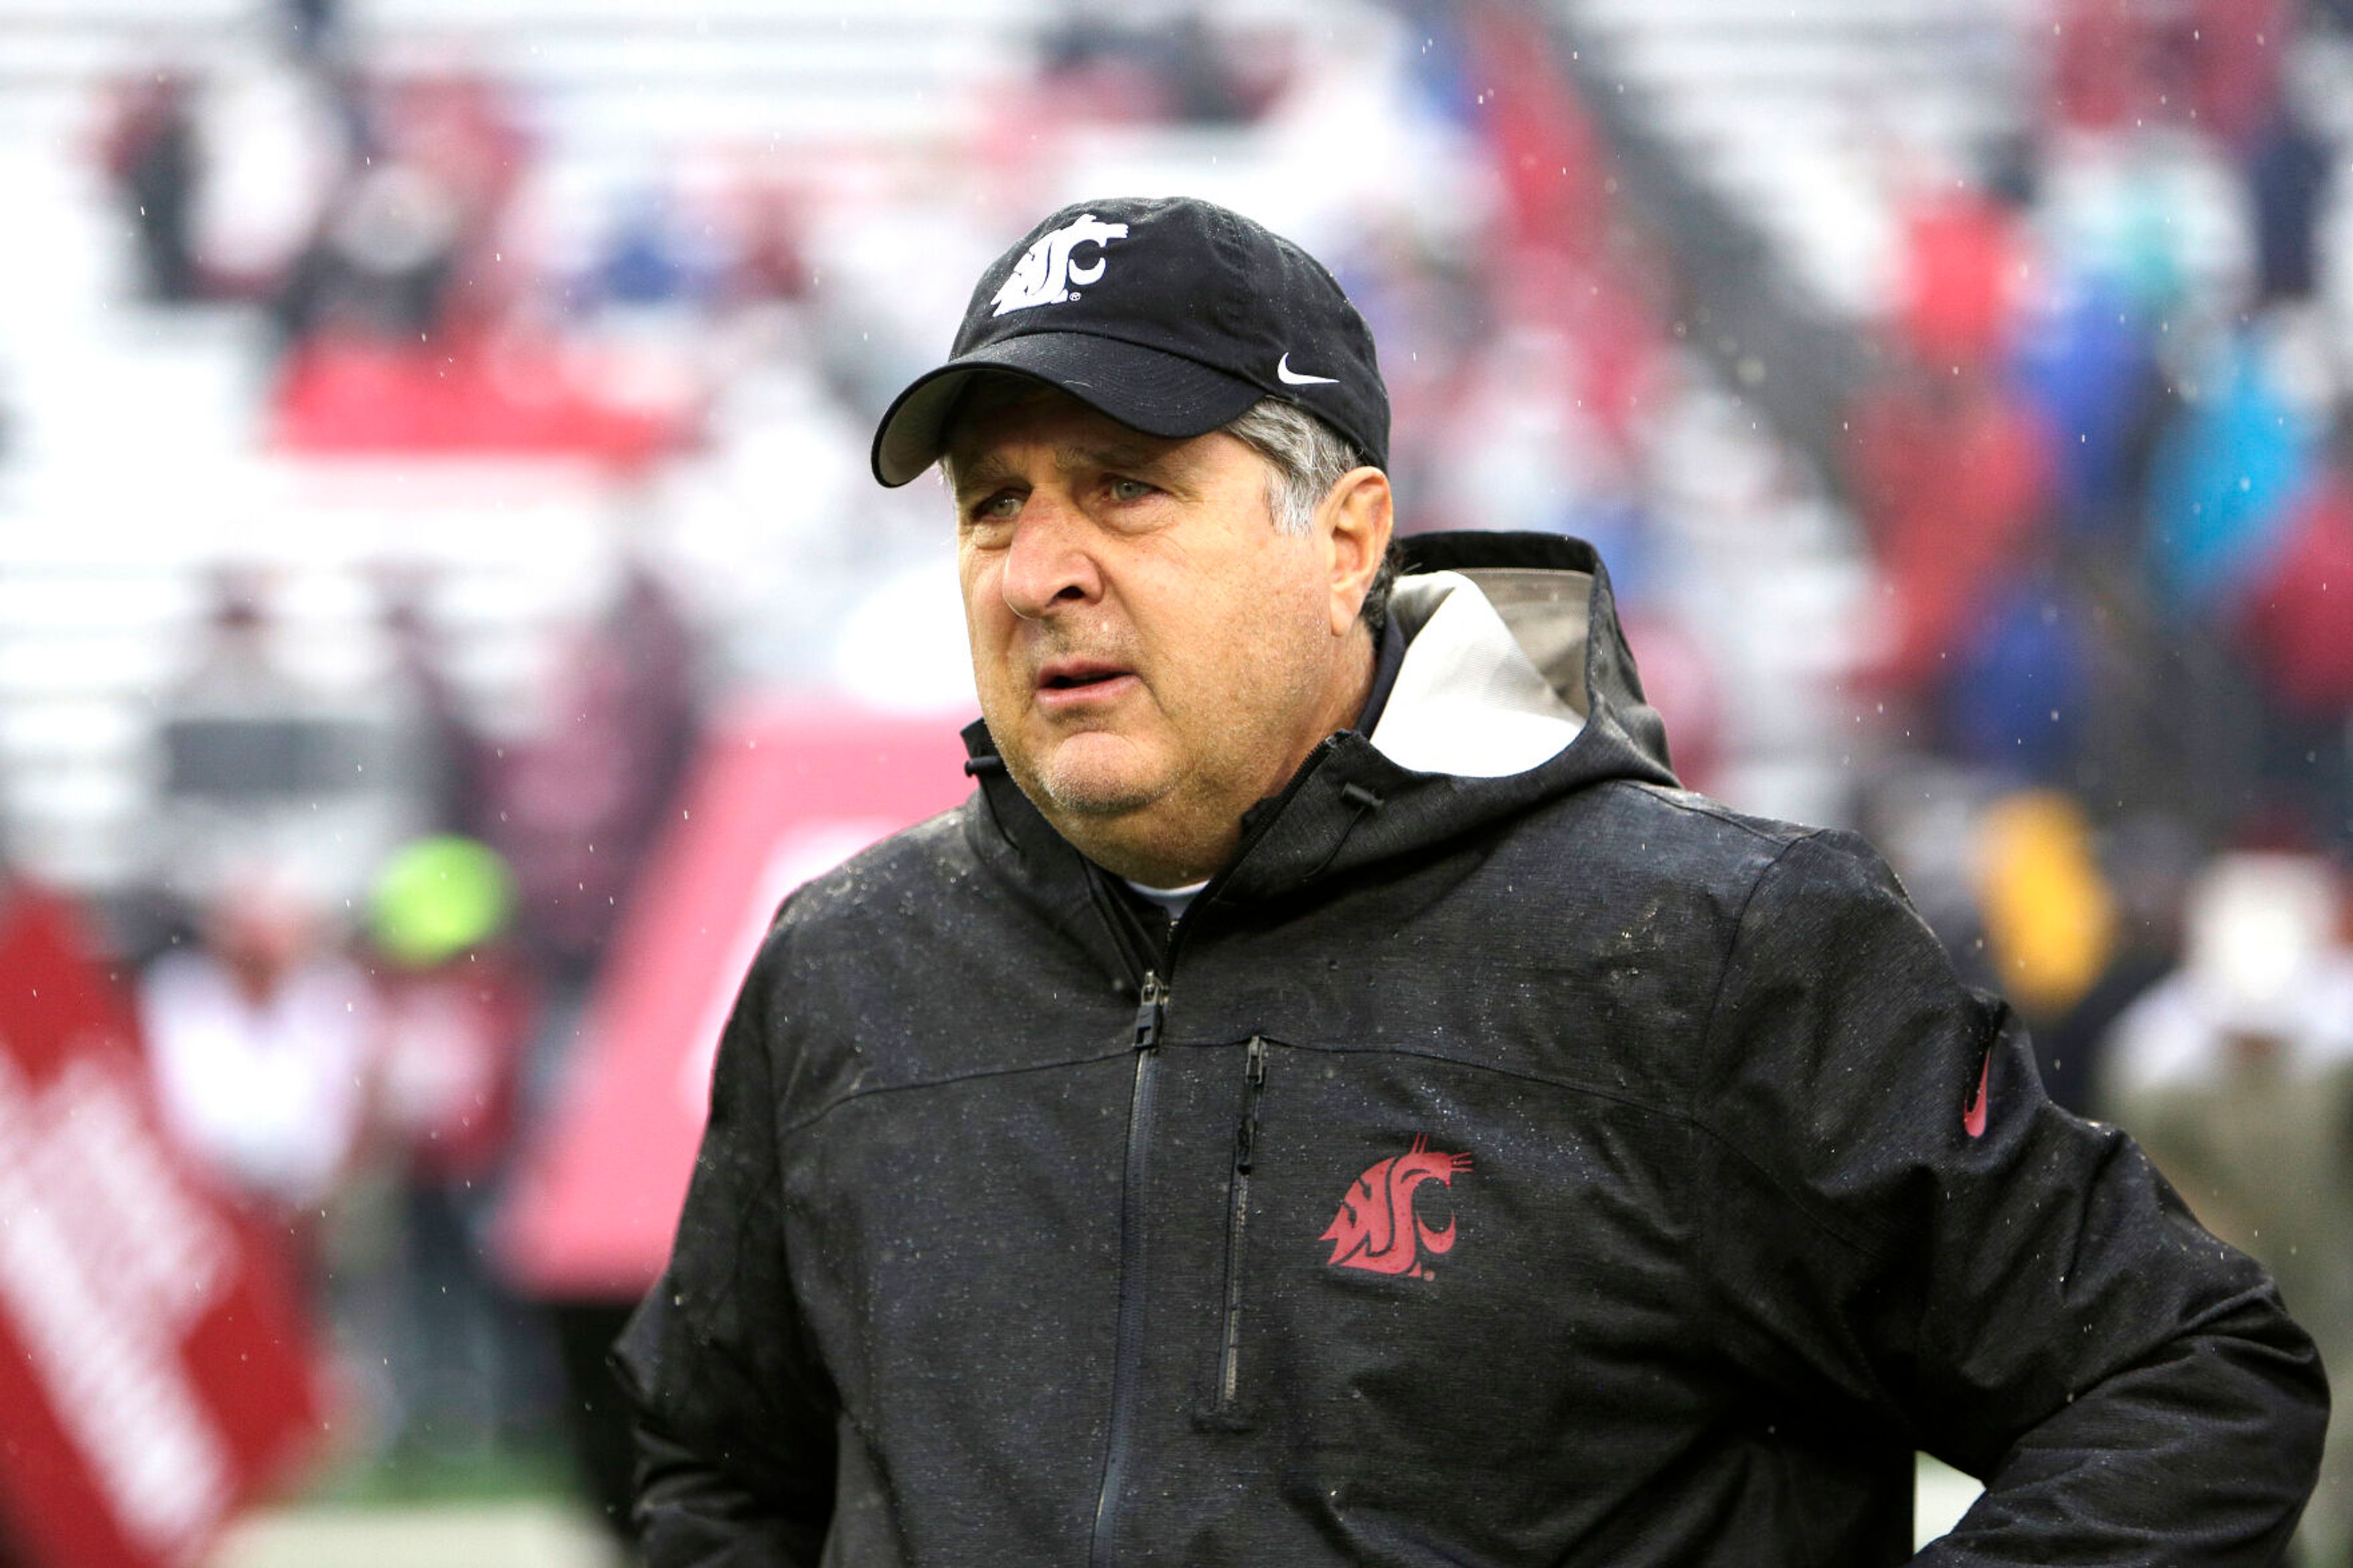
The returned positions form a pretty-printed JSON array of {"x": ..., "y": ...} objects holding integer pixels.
[{"x": 1547, "y": 1168}]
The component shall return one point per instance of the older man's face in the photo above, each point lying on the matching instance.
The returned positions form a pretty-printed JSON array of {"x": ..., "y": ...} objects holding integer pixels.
[{"x": 1153, "y": 653}]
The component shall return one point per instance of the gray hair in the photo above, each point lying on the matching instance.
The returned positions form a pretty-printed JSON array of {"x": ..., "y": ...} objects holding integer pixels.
[{"x": 1304, "y": 459}]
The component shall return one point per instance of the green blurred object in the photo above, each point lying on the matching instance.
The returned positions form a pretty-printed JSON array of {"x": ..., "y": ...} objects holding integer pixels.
[{"x": 439, "y": 896}]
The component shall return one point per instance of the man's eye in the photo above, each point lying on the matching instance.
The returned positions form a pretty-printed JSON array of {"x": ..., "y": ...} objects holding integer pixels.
[
  {"x": 997, "y": 508},
  {"x": 1129, "y": 489}
]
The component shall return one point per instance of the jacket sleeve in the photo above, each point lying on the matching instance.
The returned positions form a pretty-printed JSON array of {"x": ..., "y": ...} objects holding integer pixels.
[
  {"x": 734, "y": 1417},
  {"x": 2022, "y": 1295}
]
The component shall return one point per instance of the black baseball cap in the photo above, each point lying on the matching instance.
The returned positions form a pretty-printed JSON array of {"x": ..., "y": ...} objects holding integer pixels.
[{"x": 1169, "y": 314}]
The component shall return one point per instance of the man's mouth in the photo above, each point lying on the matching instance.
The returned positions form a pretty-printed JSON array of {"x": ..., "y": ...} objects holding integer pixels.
[{"x": 1079, "y": 678}]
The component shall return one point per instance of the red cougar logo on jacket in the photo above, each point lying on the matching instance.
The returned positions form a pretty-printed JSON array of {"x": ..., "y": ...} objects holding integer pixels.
[{"x": 1376, "y": 1230}]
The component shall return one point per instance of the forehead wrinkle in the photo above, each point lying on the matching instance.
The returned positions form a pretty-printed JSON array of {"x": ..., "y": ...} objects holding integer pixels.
[
  {"x": 992, "y": 466},
  {"x": 1071, "y": 459},
  {"x": 988, "y": 468}
]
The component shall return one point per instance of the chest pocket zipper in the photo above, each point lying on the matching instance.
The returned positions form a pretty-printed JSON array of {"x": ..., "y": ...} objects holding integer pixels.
[{"x": 1229, "y": 1342}]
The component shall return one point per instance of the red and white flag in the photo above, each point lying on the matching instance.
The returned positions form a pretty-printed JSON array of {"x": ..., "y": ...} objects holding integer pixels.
[{"x": 156, "y": 1371}]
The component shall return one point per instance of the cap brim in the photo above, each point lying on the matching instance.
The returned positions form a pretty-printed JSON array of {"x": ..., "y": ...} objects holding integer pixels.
[{"x": 1144, "y": 389}]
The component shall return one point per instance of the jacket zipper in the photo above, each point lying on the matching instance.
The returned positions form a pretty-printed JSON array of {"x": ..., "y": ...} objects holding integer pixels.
[
  {"x": 1151, "y": 1011},
  {"x": 1237, "y": 1218}
]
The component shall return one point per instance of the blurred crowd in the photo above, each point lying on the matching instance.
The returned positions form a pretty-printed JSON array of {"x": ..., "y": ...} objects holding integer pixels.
[
  {"x": 371, "y": 217},
  {"x": 2102, "y": 480},
  {"x": 358, "y": 1072},
  {"x": 2104, "y": 475}
]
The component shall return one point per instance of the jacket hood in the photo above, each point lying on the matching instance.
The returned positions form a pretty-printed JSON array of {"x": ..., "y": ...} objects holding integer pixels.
[{"x": 1480, "y": 727}]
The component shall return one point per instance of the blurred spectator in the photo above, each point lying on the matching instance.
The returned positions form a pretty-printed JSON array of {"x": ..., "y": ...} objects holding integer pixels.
[
  {"x": 461, "y": 132},
  {"x": 2296, "y": 618},
  {"x": 2295, "y": 628},
  {"x": 1172, "y": 69},
  {"x": 2016, "y": 689},
  {"x": 2247, "y": 530},
  {"x": 2086, "y": 365},
  {"x": 577, "y": 806},
  {"x": 2287, "y": 174},
  {"x": 2102, "y": 62},
  {"x": 2049, "y": 923},
  {"x": 2236, "y": 1075},
  {"x": 2147, "y": 860},
  {"x": 408, "y": 329},
  {"x": 261, "y": 764},
  {"x": 448, "y": 756},
  {"x": 2229, "y": 469},
  {"x": 312, "y": 26},
  {"x": 458, "y": 1010},
  {"x": 405, "y": 249},
  {"x": 2213, "y": 65},
  {"x": 1950, "y": 477},
  {"x": 260, "y": 1040},
  {"x": 151, "y": 152},
  {"x": 1961, "y": 269},
  {"x": 650, "y": 259},
  {"x": 771, "y": 261},
  {"x": 381, "y": 261},
  {"x": 2231, "y": 53},
  {"x": 275, "y": 137}
]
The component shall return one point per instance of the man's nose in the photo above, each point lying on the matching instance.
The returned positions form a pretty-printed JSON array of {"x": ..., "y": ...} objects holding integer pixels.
[{"x": 1049, "y": 565}]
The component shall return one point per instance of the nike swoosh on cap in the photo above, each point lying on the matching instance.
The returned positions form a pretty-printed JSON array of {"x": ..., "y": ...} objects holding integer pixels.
[{"x": 1290, "y": 377}]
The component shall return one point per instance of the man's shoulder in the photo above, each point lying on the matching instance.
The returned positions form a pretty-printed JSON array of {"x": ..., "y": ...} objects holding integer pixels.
[
  {"x": 932, "y": 859},
  {"x": 1702, "y": 815},
  {"x": 1680, "y": 834}
]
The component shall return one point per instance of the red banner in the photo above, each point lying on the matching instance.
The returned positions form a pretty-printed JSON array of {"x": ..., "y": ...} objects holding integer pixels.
[
  {"x": 778, "y": 797},
  {"x": 153, "y": 1370}
]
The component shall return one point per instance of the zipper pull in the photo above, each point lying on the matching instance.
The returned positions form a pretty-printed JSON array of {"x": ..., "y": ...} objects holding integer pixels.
[
  {"x": 1254, "y": 1079},
  {"x": 1151, "y": 1006}
]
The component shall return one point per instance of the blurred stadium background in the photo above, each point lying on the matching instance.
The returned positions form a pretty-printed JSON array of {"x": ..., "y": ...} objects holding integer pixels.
[{"x": 432, "y": 466}]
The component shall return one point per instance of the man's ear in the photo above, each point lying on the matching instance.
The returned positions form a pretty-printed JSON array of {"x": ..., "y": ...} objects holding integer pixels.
[{"x": 1354, "y": 522}]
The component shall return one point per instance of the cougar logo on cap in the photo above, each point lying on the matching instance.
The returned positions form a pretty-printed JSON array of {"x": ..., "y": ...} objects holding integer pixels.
[
  {"x": 1044, "y": 274},
  {"x": 1376, "y": 1230}
]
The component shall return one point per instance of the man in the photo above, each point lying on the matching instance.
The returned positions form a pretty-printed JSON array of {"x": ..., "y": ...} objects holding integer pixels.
[
  {"x": 1329, "y": 1097},
  {"x": 2236, "y": 1069}
]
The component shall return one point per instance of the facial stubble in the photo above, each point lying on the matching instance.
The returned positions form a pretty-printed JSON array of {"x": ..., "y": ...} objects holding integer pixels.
[{"x": 1223, "y": 755}]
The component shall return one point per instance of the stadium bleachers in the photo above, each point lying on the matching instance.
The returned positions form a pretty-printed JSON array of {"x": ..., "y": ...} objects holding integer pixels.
[
  {"x": 1809, "y": 114},
  {"x": 137, "y": 465}
]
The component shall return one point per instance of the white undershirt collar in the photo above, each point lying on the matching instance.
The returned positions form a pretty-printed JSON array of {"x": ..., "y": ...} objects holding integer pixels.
[{"x": 1173, "y": 900}]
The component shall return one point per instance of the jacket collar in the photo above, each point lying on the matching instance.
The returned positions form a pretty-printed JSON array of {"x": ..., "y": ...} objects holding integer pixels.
[{"x": 1471, "y": 699}]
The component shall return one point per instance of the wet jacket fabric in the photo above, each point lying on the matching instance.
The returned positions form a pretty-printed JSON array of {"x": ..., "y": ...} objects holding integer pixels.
[{"x": 1551, "y": 1166}]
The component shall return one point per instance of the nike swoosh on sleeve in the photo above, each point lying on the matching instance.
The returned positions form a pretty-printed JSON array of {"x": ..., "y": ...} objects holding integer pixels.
[{"x": 1973, "y": 1116}]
